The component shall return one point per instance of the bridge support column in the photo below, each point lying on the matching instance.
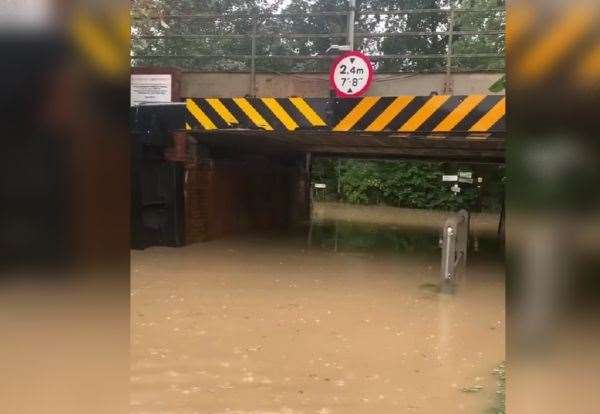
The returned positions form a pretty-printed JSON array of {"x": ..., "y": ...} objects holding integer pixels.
[{"x": 300, "y": 199}]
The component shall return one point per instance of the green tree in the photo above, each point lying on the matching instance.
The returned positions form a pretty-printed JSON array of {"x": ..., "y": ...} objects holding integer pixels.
[
  {"x": 406, "y": 184},
  {"x": 494, "y": 20},
  {"x": 160, "y": 22},
  {"x": 429, "y": 23},
  {"x": 435, "y": 20}
]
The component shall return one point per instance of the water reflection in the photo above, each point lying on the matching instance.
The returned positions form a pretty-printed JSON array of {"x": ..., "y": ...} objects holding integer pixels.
[{"x": 349, "y": 236}]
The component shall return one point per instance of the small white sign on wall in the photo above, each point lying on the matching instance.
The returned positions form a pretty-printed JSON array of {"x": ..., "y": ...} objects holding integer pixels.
[
  {"x": 449, "y": 178},
  {"x": 147, "y": 88}
]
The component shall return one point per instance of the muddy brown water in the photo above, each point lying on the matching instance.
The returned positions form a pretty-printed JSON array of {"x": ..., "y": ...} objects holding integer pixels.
[{"x": 265, "y": 324}]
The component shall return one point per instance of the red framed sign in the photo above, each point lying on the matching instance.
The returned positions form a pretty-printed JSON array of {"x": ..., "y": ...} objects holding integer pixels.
[{"x": 351, "y": 74}]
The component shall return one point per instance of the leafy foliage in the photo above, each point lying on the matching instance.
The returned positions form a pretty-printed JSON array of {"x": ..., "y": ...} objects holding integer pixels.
[
  {"x": 224, "y": 54},
  {"x": 499, "y": 85},
  {"x": 478, "y": 44},
  {"x": 404, "y": 184}
]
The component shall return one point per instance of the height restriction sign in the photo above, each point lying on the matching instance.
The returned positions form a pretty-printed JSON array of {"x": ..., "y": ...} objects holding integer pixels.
[{"x": 351, "y": 74}]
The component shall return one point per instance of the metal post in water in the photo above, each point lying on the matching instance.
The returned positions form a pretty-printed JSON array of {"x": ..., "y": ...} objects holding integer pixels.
[
  {"x": 455, "y": 240},
  {"x": 335, "y": 247},
  {"x": 448, "y": 250},
  {"x": 463, "y": 247},
  {"x": 339, "y": 183}
]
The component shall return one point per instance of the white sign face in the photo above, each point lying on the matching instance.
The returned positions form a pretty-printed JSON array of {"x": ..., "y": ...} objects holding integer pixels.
[
  {"x": 150, "y": 89},
  {"x": 351, "y": 74},
  {"x": 320, "y": 185},
  {"x": 449, "y": 178}
]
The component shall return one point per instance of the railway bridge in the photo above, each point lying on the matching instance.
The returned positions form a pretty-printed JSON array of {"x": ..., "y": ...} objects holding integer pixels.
[{"x": 212, "y": 163}]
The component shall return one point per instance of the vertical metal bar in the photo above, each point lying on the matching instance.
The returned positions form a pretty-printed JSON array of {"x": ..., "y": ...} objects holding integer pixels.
[
  {"x": 308, "y": 190},
  {"x": 448, "y": 251},
  {"x": 351, "y": 18},
  {"x": 463, "y": 241},
  {"x": 501, "y": 223},
  {"x": 335, "y": 246},
  {"x": 339, "y": 183},
  {"x": 448, "y": 87},
  {"x": 455, "y": 245},
  {"x": 310, "y": 233},
  {"x": 253, "y": 58}
]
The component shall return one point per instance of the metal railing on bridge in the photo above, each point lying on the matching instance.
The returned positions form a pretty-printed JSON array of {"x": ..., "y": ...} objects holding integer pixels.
[{"x": 455, "y": 39}]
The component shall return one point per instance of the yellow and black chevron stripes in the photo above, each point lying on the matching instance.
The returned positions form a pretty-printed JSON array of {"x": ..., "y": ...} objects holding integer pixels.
[
  {"x": 269, "y": 114},
  {"x": 199, "y": 115},
  {"x": 252, "y": 113},
  {"x": 309, "y": 113},
  {"x": 437, "y": 114},
  {"x": 388, "y": 115},
  {"x": 223, "y": 112},
  {"x": 458, "y": 114},
  {"x": 280, "y": 113},
  {"x": 557, "y": 44},
  {"x": 443, "y": 114},
  {"x": 546, "y": 53},
  {"x": 103, "y": 40},
  {"x": 356, "y": 114},
  {"x": 424, "y": 113},
  {"x": 491, "y": 117}
]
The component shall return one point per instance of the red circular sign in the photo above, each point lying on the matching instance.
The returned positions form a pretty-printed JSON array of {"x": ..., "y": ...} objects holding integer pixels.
[{"x": 351, "y": 74}]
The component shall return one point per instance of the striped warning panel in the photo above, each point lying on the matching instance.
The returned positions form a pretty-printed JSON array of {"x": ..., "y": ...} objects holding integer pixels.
[
  {"x": 402, "y": 114},
  {"x": 269, "y": 114}
]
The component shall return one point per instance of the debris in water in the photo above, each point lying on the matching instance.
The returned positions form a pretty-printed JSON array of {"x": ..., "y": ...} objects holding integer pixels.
[{"x": 474, "y": 388}]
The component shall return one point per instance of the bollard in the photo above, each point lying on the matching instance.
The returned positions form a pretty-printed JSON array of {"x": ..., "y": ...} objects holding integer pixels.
[{"x": 455, "y": 242}]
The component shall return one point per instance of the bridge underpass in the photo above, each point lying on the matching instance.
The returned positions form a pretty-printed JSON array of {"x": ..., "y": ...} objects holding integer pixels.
[
  {"x": 217, "y": 149},
  {"x": 249, "y": 315},
  {"x": 344, "y": 316}
]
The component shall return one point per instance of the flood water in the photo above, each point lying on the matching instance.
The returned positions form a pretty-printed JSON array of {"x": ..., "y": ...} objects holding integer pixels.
[{"x": 348, "y": 320}]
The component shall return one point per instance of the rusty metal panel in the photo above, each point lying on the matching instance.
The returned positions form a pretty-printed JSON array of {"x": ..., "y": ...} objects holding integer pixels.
[{"x": 232, "y": 197}]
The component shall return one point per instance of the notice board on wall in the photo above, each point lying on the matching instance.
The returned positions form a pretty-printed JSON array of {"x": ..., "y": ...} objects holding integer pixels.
[{"x": 151, "y": 88}]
